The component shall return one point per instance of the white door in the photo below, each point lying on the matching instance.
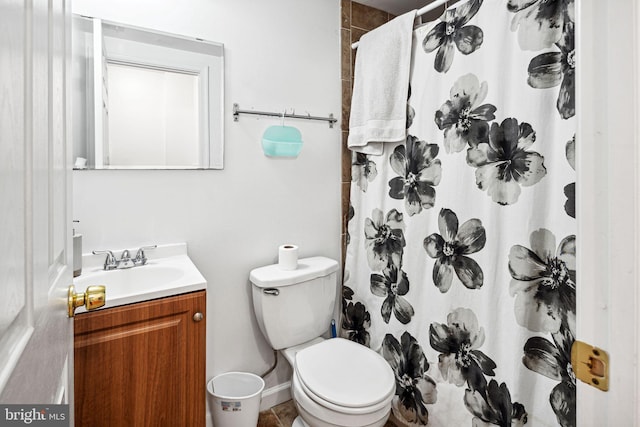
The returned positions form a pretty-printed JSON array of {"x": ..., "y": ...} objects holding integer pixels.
[
  {"x": 35, "y": 235},
  {"x": 608, "y": 201}
]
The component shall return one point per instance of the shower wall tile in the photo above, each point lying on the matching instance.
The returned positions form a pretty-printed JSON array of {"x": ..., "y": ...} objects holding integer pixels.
[
  {"x": 346, "y": 188},
  {"x": 345, "y": 51},
  {"x": 434, "y": 14},
  {"x": 356, "y": 33},
  {"x": 356, "y": 20},
  {"x": 346, "y": 103},
  {"x": 346, "y": 158},
  {"x": 344, "y": 251},
  {"x": 366, "y": 17},
  {"x": 345, "y": 8}
]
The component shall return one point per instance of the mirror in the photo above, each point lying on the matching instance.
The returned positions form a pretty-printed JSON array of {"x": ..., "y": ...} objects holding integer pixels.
[{"x": 143, "y": 99}]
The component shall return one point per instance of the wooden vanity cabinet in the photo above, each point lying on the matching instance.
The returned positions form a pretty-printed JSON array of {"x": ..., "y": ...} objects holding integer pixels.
[{"x": 142, "y": 364}]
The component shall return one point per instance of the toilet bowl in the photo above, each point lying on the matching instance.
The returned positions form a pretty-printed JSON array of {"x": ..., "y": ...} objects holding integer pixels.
[
  {"x": 336, "y": 382},
  {"x": 313, "y": 415},
  {"x": 340, "y": 383}
]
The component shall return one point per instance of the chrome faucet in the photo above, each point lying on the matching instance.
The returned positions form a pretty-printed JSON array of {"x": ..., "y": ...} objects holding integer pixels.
[
  {"x": 110, "y": 262},
  {"x": 141, "y": 258},
  {"x": 125, "y": 261}
]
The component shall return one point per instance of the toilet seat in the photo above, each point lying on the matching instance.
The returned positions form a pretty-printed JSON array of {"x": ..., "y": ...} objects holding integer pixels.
[{"x": 345, "y": 377}]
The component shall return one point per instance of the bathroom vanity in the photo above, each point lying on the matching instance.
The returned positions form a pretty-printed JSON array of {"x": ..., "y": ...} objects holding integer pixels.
[
  {"x": 142, "y": 364},
  {"x": 140, "y": 359}
]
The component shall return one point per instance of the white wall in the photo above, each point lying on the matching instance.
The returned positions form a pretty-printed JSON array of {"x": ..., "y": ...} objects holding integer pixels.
[
  {"x": 608, "y": 205},
  {"x": 278, "y": 53}
]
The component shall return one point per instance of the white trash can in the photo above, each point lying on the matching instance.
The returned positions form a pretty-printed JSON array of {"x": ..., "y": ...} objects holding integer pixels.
[{"x": 234, "y": 399}]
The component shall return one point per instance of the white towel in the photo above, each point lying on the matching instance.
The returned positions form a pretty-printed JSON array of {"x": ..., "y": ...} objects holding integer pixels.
[{"x": 381, "y": 86}]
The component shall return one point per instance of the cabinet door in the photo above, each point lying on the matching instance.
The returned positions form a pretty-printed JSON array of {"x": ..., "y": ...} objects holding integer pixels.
[{"x": 141, "y": 364}]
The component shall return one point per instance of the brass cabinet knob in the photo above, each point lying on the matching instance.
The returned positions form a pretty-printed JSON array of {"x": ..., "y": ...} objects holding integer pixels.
[
  {"x": 198, "y": 317},
  {"x": 93, "y": 297}
]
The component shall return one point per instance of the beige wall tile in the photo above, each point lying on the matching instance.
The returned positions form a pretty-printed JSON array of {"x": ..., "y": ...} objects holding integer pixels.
[
  {"x": 366, "y": 17},
  {"x": 346, "y": 103},
  {"x": 356, "y": 33},
  {"x": 346, "y": 158},
  {"x": 433, "y": 15},
  {"x": 362, "y": 19},
  {"x": 345, "y": 51},
  {"x": 345, "y": 12}
]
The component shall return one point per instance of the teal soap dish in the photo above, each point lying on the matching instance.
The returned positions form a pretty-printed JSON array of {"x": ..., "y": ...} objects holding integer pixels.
[{"x": 281, "y": 141}]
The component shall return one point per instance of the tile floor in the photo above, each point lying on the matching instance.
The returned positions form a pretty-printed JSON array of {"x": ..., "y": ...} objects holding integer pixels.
[{"x": 283, "y": 416}]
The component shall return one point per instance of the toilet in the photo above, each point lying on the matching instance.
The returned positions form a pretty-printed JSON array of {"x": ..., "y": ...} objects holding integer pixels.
[{"x": 336, "y": 382}]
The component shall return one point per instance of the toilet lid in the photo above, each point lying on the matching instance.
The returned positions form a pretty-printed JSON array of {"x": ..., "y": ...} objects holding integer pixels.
[{"x": 345, "y": 373}]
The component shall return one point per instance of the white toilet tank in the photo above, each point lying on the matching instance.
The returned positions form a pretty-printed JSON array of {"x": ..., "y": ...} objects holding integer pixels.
[{"x": 294, "y": 306}]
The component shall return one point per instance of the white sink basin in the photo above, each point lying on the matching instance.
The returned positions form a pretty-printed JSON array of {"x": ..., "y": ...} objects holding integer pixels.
[{"x": 168, "y": 272}]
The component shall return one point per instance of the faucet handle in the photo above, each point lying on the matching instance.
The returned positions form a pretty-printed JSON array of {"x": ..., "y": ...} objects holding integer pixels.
[
  {"x": 110, "y": 261},
  {"x": 140, "y": 255}
]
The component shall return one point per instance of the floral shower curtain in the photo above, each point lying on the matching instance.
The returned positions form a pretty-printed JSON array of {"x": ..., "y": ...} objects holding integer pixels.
[{"x": 460, "y": 266}]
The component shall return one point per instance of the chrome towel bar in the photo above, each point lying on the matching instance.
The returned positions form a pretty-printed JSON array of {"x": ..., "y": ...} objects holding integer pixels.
[{"x": 237, "y": 111}]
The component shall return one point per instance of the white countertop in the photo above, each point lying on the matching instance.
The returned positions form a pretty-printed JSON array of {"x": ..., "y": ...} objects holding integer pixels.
[{"x": 169, "y": 271}]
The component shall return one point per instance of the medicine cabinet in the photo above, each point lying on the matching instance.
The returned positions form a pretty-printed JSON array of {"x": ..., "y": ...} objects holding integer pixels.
[{"x": 144, "y": 99}]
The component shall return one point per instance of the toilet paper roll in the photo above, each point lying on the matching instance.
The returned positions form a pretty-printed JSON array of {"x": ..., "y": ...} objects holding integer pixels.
[{"x": 288, "y": 257}]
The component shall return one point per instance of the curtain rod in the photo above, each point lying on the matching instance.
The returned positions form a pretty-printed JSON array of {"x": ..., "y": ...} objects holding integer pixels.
[{"x": 420, "y": 12}]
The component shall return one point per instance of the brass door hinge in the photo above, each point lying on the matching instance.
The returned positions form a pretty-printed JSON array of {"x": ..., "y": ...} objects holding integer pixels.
[{"x": 590, "y": 365}]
